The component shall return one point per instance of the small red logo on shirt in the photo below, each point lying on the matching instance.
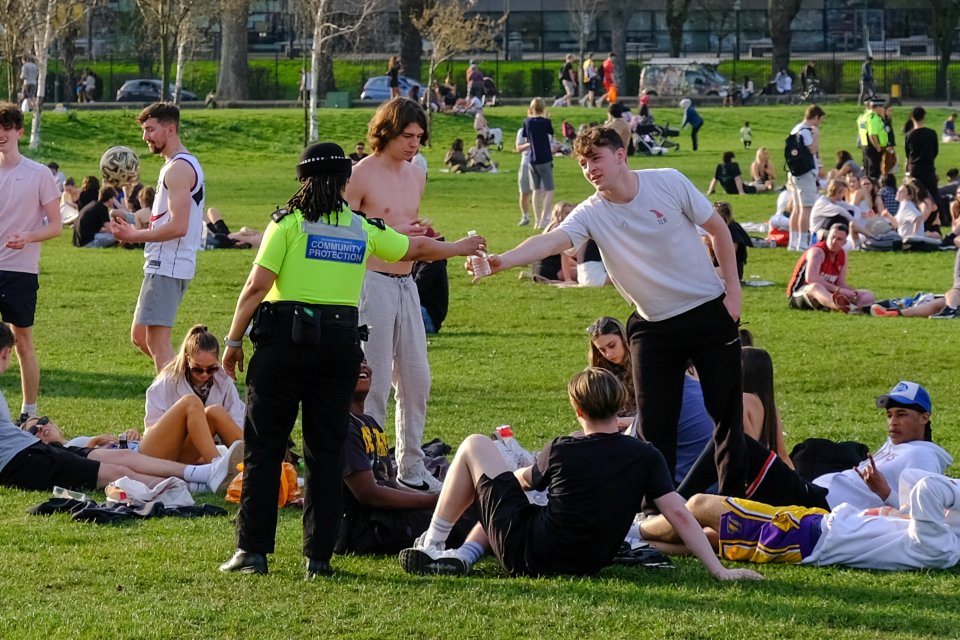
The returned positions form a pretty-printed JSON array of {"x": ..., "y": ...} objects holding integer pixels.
[{"x": 661, "y": 219}]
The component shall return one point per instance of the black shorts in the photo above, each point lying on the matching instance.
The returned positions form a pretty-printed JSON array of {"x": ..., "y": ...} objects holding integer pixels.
[
  {"x": 40, "y": 467},
  {"x": 506, "y": 515},
  {"x": 18, "y": 297}
]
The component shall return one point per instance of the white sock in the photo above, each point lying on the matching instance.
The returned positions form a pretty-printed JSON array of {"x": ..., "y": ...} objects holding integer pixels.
[
  {"x": 470, "y": 552},
  {"x": 199, "y": 473},
  {"x": 438, "y": 531},
  {"x": 793, "y": 241},
  {"x": 29, "y": 409},
  {"x": 197, "y": 487}
]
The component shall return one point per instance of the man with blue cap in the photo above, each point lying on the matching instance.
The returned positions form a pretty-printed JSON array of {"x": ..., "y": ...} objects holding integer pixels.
[{"x": 874, "y": 482}]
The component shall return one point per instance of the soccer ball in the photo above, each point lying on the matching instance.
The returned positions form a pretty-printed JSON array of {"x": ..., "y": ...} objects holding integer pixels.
[{"x": 120, "y": 166}]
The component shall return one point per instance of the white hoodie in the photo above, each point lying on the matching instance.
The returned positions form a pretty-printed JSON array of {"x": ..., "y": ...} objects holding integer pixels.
[
  {"x": 928, "y": 539},
  {"x": 891, "y": 459}
]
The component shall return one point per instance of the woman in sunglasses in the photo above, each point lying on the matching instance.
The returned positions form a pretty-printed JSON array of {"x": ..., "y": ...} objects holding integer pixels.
[{"x": 191, "y": 402}]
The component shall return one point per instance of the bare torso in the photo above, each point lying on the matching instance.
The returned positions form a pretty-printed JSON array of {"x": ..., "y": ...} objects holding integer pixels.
[{"x": 382, "y": 187}]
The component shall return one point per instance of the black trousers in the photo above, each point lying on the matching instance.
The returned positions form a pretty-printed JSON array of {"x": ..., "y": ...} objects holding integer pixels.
[
  {"x": 282, "y": 377},
  {"x": 871, "y": 161},
  {"x": 660, "y": 351},
  {"x": 694, "y": 131}
]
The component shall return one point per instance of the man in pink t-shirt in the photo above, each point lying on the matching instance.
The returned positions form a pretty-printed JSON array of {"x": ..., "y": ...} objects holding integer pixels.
[{"x": 29, "y": 214}]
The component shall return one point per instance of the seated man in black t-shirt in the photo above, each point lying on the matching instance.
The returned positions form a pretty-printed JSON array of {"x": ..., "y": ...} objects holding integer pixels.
[
  {"x": 380, "y": 515},
  {"x": 92, "y": 228},
  {"x": 595, "y": 485}
]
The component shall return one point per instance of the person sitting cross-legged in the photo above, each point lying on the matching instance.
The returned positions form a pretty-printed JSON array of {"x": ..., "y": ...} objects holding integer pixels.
[
  {"x": 595, "y": 484},
  {"x": 819, "y": 280}
]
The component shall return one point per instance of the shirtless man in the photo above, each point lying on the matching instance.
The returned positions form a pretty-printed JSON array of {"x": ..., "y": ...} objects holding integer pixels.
[{"x": 386, "y": 185}]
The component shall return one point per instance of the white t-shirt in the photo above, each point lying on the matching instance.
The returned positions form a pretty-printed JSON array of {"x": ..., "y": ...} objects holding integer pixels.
[
  {"x": 650, "y": 246},
  {"x": 891, "y": 459},
  {"x": 176, "y": 258},
  {"x": 806, "y": 133},
  {"x": 522, "y": 139},
  {"x": 909, "y": 220},
  {"x": 24, "y": 191},
  {"x": 824, "y": 210}
]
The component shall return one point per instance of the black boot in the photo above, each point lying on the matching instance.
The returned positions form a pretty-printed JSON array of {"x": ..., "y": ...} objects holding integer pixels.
[
  {"x": 245, "y": 562},
  {"x": 318, "y": 568}
]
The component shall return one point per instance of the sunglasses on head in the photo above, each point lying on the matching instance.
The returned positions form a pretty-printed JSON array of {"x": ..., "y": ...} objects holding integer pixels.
[
  {"x": 212, "y": 369},
  {"x": 42, "y": 421},
  {"x": 603, "y": 326}
]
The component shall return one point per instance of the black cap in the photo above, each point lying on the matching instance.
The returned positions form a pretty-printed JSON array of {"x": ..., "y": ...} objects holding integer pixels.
[{"x": 325, "y": 158}]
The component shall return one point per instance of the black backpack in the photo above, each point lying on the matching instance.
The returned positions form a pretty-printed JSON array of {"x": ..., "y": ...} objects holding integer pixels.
[{"x": 798, "y": 156}]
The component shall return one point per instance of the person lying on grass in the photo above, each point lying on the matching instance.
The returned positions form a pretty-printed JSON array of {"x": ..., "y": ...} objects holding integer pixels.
[
  {"x": 923, "y": 533},
  {"x": 595, "y": 485},
  {"x": 27, "y": 463}
]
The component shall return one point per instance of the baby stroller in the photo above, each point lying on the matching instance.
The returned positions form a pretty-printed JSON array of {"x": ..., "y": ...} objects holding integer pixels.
[
  {"x": 490, "y": 98},
  {"x": 652, "y": 139}
]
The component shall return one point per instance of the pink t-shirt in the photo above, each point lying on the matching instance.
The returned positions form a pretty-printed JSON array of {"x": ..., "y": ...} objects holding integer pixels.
[{"x": 24, "y": 191}]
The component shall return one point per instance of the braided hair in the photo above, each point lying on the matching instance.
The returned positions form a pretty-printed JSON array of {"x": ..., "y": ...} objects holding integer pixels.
[{"x": 320, "y": 196}]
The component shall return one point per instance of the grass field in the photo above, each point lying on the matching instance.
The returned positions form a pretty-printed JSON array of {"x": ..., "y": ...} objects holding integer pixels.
[{"x": 504, "y": 355}]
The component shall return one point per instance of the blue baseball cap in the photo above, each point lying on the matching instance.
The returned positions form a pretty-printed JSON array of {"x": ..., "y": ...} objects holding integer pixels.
[{"x": 906, "y": 394}]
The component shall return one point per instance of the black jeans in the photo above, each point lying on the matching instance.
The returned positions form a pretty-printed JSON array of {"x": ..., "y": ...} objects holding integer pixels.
[
  {"x": 871, "y": 161},
  {"x": 660, "y": 351},
  {"x": 282, "y": 376},
  {"x": 693, "y": 135}
]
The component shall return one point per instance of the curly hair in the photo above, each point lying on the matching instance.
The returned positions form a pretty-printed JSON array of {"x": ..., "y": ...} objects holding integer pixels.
[
  {"x": 320, "y": 196},
  {"x": 595, "y": 137}
]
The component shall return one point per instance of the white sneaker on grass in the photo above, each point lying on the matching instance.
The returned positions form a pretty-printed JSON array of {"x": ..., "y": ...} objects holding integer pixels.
[
  {"x": 420, "y": 480},
  {"x": 224, "y": 469}
]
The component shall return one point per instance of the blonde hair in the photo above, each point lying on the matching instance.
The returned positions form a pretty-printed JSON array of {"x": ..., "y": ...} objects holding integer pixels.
[
  {"x": 560, "y": 211},
  {"x": 537, "y": 107},
  {"x": 197, "y": 340},
  {"x": 597, "y": 393},
  {"x": 835, "y": 187}
]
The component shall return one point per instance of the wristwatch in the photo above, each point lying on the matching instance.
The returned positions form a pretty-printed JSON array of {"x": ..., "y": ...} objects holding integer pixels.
[{"x": 232, "y": 343}]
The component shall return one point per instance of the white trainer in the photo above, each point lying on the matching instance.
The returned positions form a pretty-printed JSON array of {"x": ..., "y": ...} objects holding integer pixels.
[
  {"x": 224, "y": 469},
  {"x": 420, "y": 480}
]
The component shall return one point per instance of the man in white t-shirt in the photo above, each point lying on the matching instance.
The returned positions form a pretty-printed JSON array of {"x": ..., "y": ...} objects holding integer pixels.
[
  {"x": 30, "y": 74},
  {"x": 804, "y": 186},
  {"x": 173, "y": 237},
  {"x": 646, "y": 226},
  {"x": 29, "y": 214}
]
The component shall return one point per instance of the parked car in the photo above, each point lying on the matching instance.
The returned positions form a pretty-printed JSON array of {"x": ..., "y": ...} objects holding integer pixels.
[
  {"x": 378, "y": 88},
  {"x": 144, "y": 90},
  {"x": 683, "y": 78}
]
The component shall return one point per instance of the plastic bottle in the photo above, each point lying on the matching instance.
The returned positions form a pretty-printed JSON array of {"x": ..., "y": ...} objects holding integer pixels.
[
  {"x": 523, "y": 457},
  {"x": 123, "y": 441},
  {"x": 478, "y": 264}
]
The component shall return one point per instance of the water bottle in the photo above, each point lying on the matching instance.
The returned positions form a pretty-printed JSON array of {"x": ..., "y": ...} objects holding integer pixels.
[{"x": 478, "y": 264}]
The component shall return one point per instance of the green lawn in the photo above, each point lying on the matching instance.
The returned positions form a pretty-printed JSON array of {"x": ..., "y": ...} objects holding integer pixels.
[{"x": 504, "y": 355}]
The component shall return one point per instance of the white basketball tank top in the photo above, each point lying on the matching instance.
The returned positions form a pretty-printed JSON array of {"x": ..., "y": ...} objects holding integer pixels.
[{"x": 176, "y": 258}]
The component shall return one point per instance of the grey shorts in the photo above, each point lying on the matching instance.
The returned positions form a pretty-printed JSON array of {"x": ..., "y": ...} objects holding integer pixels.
[
  {"x": 524, "y": 181},
  {"x": 159, "y": 299},
  {"x": 805, "y": 186},
  {"x": 542, "y": 175}
]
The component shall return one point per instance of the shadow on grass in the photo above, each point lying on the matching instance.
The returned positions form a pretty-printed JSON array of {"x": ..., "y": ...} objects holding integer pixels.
[{"x": 71, "y": 383}]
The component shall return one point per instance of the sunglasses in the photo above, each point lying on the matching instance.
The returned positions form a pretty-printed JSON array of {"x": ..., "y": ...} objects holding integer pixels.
[
  {"x": 212, "y": 369},
  {"x": 42, "y": 421},
  {"x": 603, "y": 326}
]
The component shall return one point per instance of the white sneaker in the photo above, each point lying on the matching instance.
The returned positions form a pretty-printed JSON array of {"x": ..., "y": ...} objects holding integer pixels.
[
  {"x": 524, "y": 221},
  {"x": 420, "y": 480},
  {"x": 433, "y": 560},
  {"x": 224, "y": 469}
]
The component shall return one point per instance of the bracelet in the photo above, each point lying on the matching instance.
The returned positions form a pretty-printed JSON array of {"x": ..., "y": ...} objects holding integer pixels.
[{"x": 232, "y": 343}]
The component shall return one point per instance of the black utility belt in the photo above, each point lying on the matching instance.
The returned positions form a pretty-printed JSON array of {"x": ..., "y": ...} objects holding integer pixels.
[
  {"x": 302, "y": 322},
  {"x": 394, "y": 275}
]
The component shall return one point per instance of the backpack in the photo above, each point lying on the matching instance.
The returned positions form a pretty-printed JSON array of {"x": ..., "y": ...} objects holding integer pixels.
[
  {"x": 888, "y": 241},
  {"x": 798, "y": 156}
]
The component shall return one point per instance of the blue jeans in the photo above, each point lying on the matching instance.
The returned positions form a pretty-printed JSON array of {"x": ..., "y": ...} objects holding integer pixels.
[
  {"x": 427, "y": 320},
  {"x": 102, "y": 240}
]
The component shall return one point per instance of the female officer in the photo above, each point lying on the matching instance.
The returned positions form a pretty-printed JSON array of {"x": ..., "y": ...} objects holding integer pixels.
[{"x": 302, "y": 294}]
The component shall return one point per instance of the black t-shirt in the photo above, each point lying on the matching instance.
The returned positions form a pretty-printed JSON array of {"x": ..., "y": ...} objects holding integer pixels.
[
  {"x": 433, "y": 287},
  {"x": 727, "y": 174},
  {"x": 922, "y": 146},
  {"x": 591, "y": 252},
  {"x": 91, "y": 220},
  {"x": 595, "y": 486},
  {"x": 568, "y": 73},
  {"x": 538, "y": 131},
  {"x": 365, "y": 449}
]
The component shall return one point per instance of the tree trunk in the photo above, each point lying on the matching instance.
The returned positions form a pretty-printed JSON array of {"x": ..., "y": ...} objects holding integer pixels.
[
  {"x": 326, "y": 81},
  {"x": 314, "y": 135},
  {"x": 781, "y": 14},
  {"x": 677, "y": 11},
  {"x": 181, "y": 59},
  {"x": 945, "y": 15},
  {"x": 620, "y": 15},
  {"x": 233, "y": 81},
  {"x": 164, "y": 67},
  {"x": 411, "y": 43},
  {"x": 41, "y": 48}
]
